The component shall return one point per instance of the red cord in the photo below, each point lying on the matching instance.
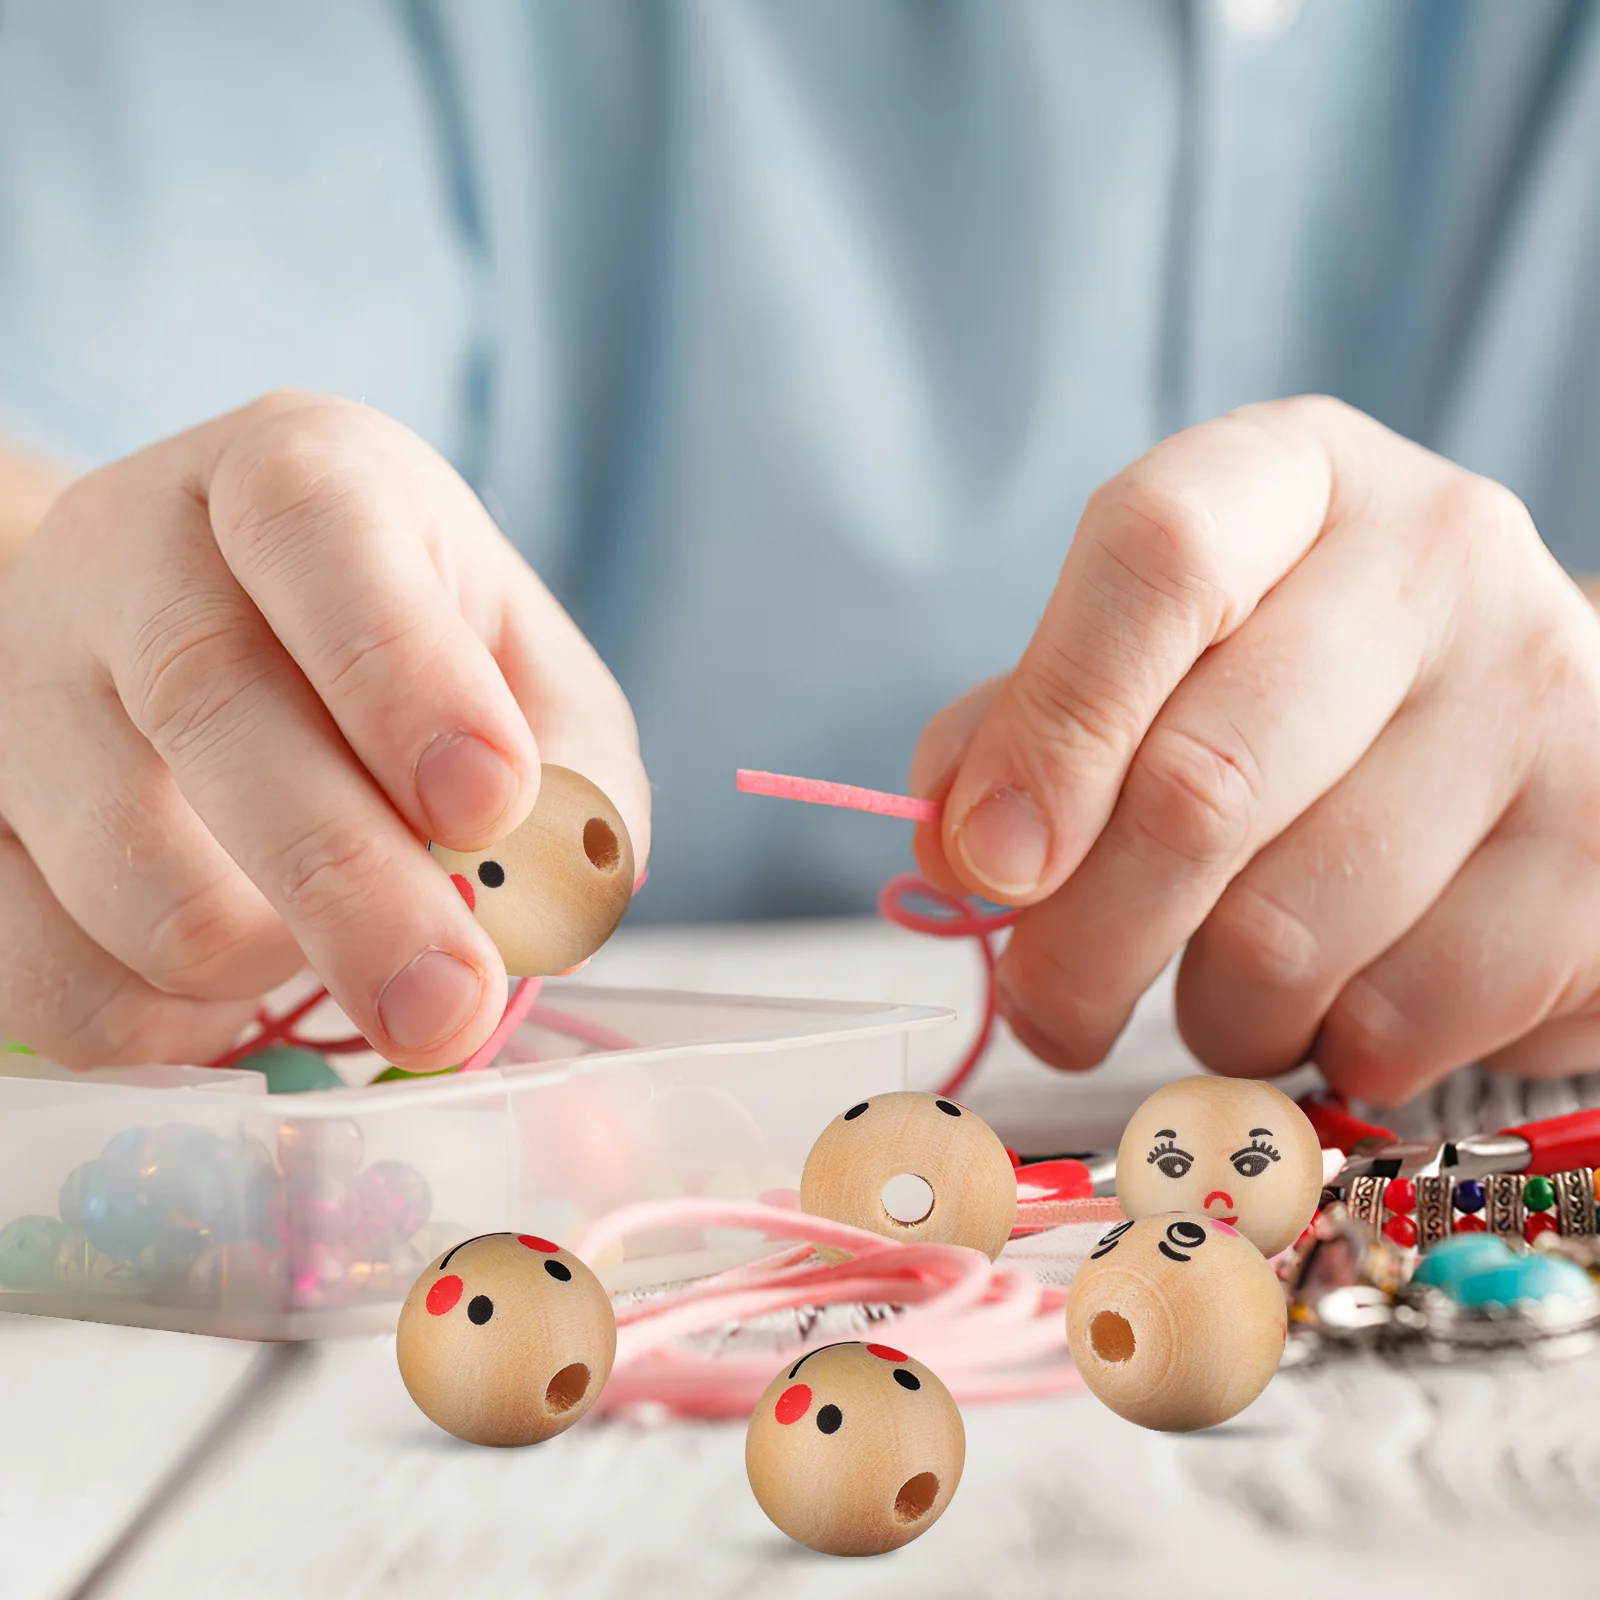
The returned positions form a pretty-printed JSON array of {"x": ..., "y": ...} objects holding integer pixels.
[{"x": 956, "y": 918}]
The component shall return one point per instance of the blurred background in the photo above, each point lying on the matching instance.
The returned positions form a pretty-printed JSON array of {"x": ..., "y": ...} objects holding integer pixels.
[{"x": 787, "y": 340}]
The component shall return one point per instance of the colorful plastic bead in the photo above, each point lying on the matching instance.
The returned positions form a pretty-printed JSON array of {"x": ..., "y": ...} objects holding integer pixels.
[
  {"x": 1402, "y": 1231},
  {"x": 1469, "y": 1195},
  {"x": 289, "y": 1070},
  {"x": 1539, "y": 1222},
  {"x": 28, "y": 1249},
  {"x": 1400, "y": 1196},
  {"x": 1470, "y": 1224},
  {"x": 392, "y": 1202},
  {"x": 1538, "y": 1194}
]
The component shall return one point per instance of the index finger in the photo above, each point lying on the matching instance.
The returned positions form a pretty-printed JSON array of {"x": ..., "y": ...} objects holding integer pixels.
[{"x": 1170, "y": 558}]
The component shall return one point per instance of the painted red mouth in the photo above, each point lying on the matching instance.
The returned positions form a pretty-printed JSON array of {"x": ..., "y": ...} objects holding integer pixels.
[{"x": 472, "y": 901}]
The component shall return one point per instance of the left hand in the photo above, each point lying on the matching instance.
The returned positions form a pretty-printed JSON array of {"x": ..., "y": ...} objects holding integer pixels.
[{"x": 1322, "y": 705}]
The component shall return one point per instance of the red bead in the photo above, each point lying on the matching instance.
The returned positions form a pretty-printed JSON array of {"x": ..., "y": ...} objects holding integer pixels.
[
  {"x": 1400, "y": 1195},
  {"x": 1539, "y": 1222},
  {"x": 1402, "y": 1230},
  {"x": 1466, "y": 1223}
]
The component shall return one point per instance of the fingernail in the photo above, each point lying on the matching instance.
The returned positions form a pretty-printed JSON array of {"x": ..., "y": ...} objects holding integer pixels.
[
  {"x": 1004, "y": 843},
  {"x": 465, "y": 786},
  {"x": 428, "y": 1000}
]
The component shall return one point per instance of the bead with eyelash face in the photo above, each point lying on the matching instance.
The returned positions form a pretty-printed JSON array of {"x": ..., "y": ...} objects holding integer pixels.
[
  {"x": 855, "y": 1449},
  {"x": 1176, "y": 1322},
  {"x": 552, "y": 891},
  {"x": 506, "y": 1339},
  {"x": 1239, "y": 1151}
]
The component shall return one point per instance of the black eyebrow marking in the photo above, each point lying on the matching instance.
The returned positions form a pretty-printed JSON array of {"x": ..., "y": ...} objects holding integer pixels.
[
  {"x": 817, "y": 1352},
  {"x": 1165, "y": 1133},
  {"x": 502, "y": 1234},
  {"x": 1257, "y": 1133}
]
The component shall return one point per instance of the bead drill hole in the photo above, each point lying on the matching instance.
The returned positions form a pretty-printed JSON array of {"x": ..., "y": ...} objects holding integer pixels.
[
  {"x": 567, "y": 1388},
  {"x": 908, "y": 1199},
  {"x": 600, "y": 845},
  {"x": 916, "y": 1497},
  {"x": 1111, "y": 1336}
]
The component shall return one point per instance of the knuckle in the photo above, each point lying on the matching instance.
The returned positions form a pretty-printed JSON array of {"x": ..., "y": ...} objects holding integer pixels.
[
  {"x": 290, "y": 476},
  {"x": 330, "y": 874},
  {"x": 198, "y": 939},
  {"x": 1254, "y": 937},
  {"x": 194, "y": 666},
  {"x": 1191, "y": 799},
  {"x": 1070, "y": 705},
  {"x": 1164, "y": 542}
]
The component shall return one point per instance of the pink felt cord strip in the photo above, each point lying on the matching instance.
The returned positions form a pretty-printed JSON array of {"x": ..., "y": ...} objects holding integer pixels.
[{"x": 816, "y": 792}]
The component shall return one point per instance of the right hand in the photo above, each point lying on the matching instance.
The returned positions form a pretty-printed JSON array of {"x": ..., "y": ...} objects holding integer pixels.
[{"x": 244, "y": 674}]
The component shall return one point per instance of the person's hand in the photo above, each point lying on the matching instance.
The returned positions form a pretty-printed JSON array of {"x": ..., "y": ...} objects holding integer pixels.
[
  {"x": 244, "y": 675},
  {"x": 1321, "y": 704}
]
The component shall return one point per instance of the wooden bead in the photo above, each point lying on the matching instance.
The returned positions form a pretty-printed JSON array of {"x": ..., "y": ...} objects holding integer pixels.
[
  {"x": 1176, "y": 1322},
  {"x": 913, "y": 1167},
  {"x": 855, "y": 1449},
  {"x": 552, "y": 892},
  {"x": 506, "y": 1339},
  {"x": 1237, "y": 1150}
]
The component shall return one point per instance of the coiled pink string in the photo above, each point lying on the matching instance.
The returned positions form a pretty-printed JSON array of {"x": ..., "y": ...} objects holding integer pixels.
[{"x": 991, "y": 1331}]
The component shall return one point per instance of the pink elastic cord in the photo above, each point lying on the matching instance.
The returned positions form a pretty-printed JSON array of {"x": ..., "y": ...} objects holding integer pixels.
[
  {"x": 814, "y": 791},
  {"x": 991, "y": 1331},
  {"x": 517, "y": 1007}
]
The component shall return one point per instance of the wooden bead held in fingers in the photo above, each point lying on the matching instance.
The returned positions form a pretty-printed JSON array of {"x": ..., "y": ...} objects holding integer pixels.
[
  {"x": 506, "y": 1340},
  {"x": 855, "y": 1449},
  {"x": 913, "y": 1167},
  {"x": 1176, "y": 1322},
  {"x": 1241, "y": 1152},
  {"x": 553, "y": 891}
]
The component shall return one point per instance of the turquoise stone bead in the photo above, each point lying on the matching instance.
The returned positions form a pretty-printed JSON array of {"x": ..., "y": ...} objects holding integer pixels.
[
  {"x": 293, "y": 1071},
  {"x": 1525, "y": 1278},
  {"x": 1452, "y": 1259}
]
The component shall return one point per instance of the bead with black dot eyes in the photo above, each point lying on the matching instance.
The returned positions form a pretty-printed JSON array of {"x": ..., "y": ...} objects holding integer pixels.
[
  {"x": 552, "y": 891},
  {"x": 913, "y": 1167},
  {"x": 847, "y": 1456},
  {"x": 506, "y": 1339}
]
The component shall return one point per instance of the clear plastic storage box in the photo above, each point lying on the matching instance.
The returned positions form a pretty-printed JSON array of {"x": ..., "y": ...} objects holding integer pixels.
[{"x": 189, "y": 1198}]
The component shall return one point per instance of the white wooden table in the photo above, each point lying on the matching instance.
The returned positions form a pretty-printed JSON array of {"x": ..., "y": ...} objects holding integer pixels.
[{"x": 135, "y": 1463}]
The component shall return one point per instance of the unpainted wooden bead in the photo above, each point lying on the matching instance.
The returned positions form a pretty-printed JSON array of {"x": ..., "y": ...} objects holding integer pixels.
[
  {"x": 855, "y": 1449},
  {"x": 913, "y": 1167},
  {"x": 506, "y": 1339},
  {"x": 1176, "y": 1322},
  {"x": 553, "y": 891},
  {"x": 1237, "y": 1150}
]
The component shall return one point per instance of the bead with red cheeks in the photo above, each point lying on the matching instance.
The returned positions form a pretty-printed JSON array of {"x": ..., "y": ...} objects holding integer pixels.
[
  {"x": 554, "y": 889},
  {"x": 506, "y": 1339},
  {"x": 855, "y": 1449}
]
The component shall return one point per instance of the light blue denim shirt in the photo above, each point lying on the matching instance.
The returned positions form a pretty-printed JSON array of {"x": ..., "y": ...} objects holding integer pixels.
[{"x": 787, "y": 337}]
